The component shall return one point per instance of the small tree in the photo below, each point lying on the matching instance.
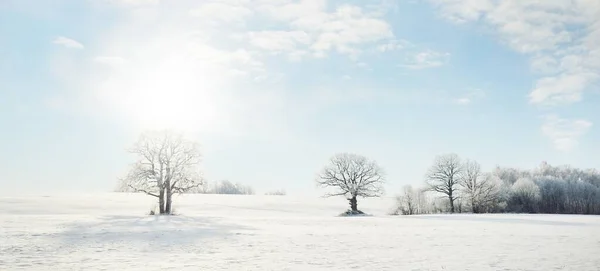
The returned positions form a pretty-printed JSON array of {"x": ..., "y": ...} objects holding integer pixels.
[
  {"x": 167, "y": 164},
  {"x": 444, "y": 176},
  {"x": 353, "y": 176},
  {"x": 408, "y": 201}
]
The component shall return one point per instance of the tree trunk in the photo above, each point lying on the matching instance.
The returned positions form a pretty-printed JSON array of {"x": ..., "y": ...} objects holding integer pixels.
[
  {"x": 451, "y": 204},
  {"x": 168, "y": 203},
  {"x": 353, "y": 204},
  {"x": 161, "y": 201}
]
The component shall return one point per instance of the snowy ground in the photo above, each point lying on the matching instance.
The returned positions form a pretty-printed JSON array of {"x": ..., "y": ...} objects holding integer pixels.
[{"x": 111, "y": 232}]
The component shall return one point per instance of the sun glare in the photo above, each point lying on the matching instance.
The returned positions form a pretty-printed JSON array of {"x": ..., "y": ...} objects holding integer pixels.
[{"x": 175, "y": 94}]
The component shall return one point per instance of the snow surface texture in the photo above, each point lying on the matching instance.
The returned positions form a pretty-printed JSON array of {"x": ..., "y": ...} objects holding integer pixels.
[{"x": 217, "y": 232}]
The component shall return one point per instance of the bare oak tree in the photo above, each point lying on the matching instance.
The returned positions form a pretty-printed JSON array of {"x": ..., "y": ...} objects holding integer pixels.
[
  {"x": 444, "y": 176},
  {"x": 481, "y": 190},
  {"x": 353, "y": 176},
  {"x": 167, "y": 164}
]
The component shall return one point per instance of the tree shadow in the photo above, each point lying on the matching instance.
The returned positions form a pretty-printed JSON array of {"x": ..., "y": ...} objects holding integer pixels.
[{"x": 149, "y": 230}]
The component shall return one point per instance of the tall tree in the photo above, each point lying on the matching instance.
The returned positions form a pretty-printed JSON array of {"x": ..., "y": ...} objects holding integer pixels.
[
  {"x": 353, "y": 176},
  {"x": 444, "y": 176},
  {"x": 167, "y": 164},
  {"x": 481, "y": 190}
]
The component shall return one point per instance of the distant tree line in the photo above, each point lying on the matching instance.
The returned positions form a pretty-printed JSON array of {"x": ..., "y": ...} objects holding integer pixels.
[
  {"x": 226, "y": 188},
  {"x": 276, "y": 193},
  {"x": 453, "y": 185},
  {"x": 217, "y": 187}
]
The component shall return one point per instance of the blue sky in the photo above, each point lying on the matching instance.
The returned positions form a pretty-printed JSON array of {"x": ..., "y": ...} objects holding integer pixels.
[{"x": 273, "y": 88}]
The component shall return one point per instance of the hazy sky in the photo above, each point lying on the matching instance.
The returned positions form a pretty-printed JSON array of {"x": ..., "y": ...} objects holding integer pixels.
[{"x": 273, "y": 88}]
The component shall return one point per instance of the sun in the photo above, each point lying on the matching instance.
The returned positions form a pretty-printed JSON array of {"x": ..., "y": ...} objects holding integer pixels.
[{"x": 170, "y": 94}]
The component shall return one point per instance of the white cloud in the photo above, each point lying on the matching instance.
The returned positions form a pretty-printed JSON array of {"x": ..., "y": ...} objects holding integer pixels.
[
  {"x": 461, "y": 11},
  {"x": 277, "y": 41},
  {"x": 222, "y": 11},
  {"x": 306, "y": 27},
  {"x": 313, "y": 27},
  {"x": 564, "y": 133},
  {"x": 544, "y": 64},
  {"x": 132, "y": 3},
  {"x": 394, "y": 45},
  {"x": 463, "y": 101},
  {"x": 349, "y": 26},
  {"x": 426, "y": 60},
  {"x": 564, "y": 88},
  {"x": 67, "y": 42},
  {"x": 562, "y": 37}
]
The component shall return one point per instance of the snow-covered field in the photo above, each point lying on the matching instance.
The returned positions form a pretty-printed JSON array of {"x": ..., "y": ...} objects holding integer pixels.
[{"x": 212, "y": 232}]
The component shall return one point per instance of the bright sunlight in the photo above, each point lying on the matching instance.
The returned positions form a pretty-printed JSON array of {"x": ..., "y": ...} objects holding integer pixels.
[{"x": 174, "y": 92}]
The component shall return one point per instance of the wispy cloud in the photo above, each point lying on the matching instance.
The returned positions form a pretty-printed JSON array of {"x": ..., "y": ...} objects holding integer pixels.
[
  {"x": 463, "y": 101},
  {"x": 426, "y": 60},
  {"x": 563, "y": 88},
  {"x": 132, "y": 3},
  {"x": 224, "y": 12},
  {"x": 280, "y": 41},
  {"x": 394, "y": 45},
  {"x": 67, "y": 42},
  {"x": 306, "y": 27},
  {"x": 564, "y": 133},
  {"x": 562, "y": 37},
  {"x": 470, "y": 97}
]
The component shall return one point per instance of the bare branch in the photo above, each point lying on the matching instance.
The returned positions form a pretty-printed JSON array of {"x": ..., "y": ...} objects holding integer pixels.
[
  {"x": 143, "y": 191},
  {"x": 167, "y": 163},
  {"x": 444, "y": 176},
  {"x": 352, "y": 175}
]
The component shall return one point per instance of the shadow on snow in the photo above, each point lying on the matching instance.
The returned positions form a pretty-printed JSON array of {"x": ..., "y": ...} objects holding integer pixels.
[{"x": 149, "y": 230}]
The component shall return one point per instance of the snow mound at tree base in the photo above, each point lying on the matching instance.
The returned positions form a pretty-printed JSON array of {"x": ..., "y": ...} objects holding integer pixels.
[{"x": 354, "y": 213}]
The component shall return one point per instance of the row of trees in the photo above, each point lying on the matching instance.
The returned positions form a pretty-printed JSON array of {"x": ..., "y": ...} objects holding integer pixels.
[
  {"x": 224, "y": 187},
  {"x": 464, "y": 187},
  {"x": 168, "y": 164}
]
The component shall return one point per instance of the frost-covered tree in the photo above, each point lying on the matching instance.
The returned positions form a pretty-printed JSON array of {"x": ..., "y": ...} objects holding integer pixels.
[
  {"x": 444, "y": 177},
  {"x": 510, "y": 175},
  {"x": 562, "y": 189},
  {"x": 480, "y": 191},
  {"x": 552, "y": 195},
  {"x": 353, "y": 176},
  {"x": 525, "y": 195},
  {"x": 545, "y": 189},
  {"x": 407, "y": 201},
  {"x": 166, "y": 164},
  {"x": 229, "y": 188}
]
